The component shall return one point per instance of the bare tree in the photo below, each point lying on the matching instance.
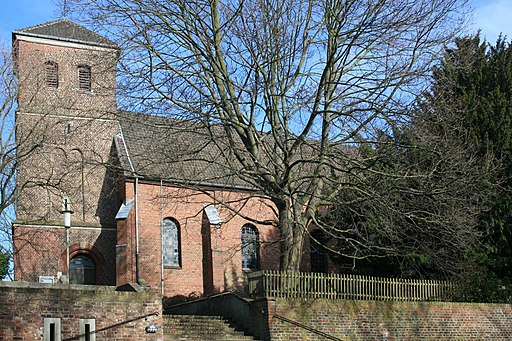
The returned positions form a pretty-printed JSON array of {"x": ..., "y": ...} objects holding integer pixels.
[
  {"x": 15, "y": 148},
  {"x": 8, "y": 88},
  {"x": 413, "y": 208},
  {"x": 293, "y": 85}
]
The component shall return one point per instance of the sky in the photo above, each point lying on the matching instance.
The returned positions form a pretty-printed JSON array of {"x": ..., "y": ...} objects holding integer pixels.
[{"x": 491, "y": 16}]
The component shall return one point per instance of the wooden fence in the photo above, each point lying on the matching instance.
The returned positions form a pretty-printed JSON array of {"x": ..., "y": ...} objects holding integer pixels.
[{"x": 339, "y": 286}]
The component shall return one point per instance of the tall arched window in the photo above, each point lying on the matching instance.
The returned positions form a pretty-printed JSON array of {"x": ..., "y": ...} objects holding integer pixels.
[
  {"x": 82, "y": 270},
  {"x": 171, "y": 243},
  {"x": 250, "y": 247},
  {"x": 52, "y": 74},
  {"x": 84, "y": 77}
]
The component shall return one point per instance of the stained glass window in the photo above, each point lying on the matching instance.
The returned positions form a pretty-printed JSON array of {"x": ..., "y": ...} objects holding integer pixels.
[
  {"x": 171, "y": 242},
  {"x": 250, "y": 247}
]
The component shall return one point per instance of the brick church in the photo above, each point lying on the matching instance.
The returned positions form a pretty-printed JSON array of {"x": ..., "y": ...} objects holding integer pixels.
[{"x": 150, "y": 201}]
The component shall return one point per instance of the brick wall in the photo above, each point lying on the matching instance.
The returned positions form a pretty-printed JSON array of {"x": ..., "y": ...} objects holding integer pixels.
[
  {"x": 118, "y": 315},
  {"x": 35, "y": 96},
  {"x": 40, "y": 250},
  {"x": 64, "y": 135},
  {"x": 370, "y": 320},
  {"x": 220, "y": 261},
  {"x": 58, "y": 161}
]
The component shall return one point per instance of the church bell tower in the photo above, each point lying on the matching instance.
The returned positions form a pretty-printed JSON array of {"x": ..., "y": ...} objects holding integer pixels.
[{"x": 65, "y": 124}]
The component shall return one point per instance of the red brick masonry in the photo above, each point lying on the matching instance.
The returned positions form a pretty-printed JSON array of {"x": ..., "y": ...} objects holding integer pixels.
[
  {"x": 119, "y": 316},
  {"x": 370, "y": 320}
]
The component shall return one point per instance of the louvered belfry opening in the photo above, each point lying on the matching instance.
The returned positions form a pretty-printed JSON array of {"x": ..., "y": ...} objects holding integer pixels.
[
  {"x": 84, "y": 77},
  {"x": 52, "y": 74}
]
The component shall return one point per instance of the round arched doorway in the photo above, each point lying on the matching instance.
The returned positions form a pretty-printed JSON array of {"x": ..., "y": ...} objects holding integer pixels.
[{"x": 82, "y": 270}]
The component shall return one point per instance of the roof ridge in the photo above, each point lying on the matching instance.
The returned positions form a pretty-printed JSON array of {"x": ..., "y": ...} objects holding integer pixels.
[
  {"x": 43, "y": 25},
  {"x": 66, "y": 30}
]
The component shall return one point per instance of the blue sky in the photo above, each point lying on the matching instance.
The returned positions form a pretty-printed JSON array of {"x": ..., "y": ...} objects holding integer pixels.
[
  {"x": 16, "y": 14},
  {"x": 491, "y": 16}
]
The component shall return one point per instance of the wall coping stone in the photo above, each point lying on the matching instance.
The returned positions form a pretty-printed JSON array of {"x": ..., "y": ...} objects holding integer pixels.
[{"x": 56, "y": 286}]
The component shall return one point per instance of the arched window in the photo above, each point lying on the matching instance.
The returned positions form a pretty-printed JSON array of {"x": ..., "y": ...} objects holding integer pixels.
[
  {"x": 250, "y": 247},
  {"x": 52, "y": 74},
  {"x": 84, "y": 77},
  {"x": 82, "y": 270},
  {"x": 318, "y": 253},
  {"x": 171, "y": 243}
]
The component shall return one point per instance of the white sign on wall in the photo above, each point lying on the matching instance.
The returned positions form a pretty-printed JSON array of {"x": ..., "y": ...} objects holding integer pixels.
[{"x": 46, "y": 279}]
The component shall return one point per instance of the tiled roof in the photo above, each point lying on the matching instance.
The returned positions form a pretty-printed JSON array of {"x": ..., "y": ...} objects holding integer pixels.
[
  {"x": 190, "y": 153},
  {"x": 66, "y": 30},
  {"x": 180, "y": 151}
]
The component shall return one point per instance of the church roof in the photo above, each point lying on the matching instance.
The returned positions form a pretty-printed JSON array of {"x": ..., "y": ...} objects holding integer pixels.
[
  {"x": 179, "y": 151},
  {"x": 66, "y": 30},
  {"x": 187, "y": 152}
]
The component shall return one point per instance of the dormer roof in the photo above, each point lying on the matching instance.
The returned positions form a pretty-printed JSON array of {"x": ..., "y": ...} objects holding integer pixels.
[{"x": 66, "y": 30}]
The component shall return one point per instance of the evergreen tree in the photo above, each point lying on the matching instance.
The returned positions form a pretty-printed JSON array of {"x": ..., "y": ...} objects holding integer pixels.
[
  {"x": 475, "y": 81},
  {"x": 446, "y": 207},
  {"x": 4, "y": 265},
  {"x": 416, "y": 212}
]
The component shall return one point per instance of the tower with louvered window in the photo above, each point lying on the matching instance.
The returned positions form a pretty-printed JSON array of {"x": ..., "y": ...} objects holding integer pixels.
[{"x": 65, "y": 125}]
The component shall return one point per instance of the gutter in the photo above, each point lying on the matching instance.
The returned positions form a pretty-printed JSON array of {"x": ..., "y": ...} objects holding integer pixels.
[
  {"x": 112, "y": 46},
  {"x": 196, "y": 184}
]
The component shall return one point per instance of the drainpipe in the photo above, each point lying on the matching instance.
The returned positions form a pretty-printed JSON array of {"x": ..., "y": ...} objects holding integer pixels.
[
  {"x": 161, "y": 239},
  {"x": 121, "y": 135},
  {"x": 137, "y": 278}
]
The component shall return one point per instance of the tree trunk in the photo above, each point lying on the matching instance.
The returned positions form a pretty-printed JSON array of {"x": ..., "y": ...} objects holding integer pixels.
[{"x": 292, "y": 227}]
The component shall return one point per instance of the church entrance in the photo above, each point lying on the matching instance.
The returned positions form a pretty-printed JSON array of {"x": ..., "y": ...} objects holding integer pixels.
[{"x": 82, "y": 270}]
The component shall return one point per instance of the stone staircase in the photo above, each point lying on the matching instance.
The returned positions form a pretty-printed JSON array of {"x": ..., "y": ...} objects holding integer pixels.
[{"x": 196, "y": 327}]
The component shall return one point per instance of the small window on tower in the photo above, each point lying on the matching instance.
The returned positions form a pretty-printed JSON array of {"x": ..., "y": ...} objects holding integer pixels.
[
  {"x": 69, "y": 128},
  {"x": 84, "y": 77},
  {"x": 52, "y": 74}
]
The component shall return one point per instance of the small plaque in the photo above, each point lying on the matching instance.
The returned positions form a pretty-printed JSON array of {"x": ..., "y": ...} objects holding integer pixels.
[{"x": 46, "y": 279}]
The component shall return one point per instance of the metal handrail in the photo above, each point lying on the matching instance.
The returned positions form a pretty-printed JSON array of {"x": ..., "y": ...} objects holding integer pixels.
[{"x": 303, "y": 326}]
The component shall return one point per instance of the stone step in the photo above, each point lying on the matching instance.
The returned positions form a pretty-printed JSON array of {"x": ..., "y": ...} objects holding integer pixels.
[{"x": 198, "y": 327}]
